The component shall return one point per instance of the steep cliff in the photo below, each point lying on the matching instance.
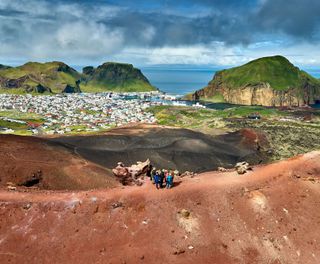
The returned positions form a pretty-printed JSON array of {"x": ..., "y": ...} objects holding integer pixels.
[{"x": 270, "y": 81}]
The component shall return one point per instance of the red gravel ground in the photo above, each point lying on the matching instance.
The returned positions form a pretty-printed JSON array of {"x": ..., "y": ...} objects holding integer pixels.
[
  {"x": 24, "y": 159},
  {"x": 268, "y": 215}
]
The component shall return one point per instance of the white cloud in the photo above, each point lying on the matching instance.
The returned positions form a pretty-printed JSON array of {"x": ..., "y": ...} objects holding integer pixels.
[
  {"x": 90, "y": 38},
  {"x": 72, "y": 35},
  {"x": 214, "y": 54},
  {"x": 96, "y": 32}
]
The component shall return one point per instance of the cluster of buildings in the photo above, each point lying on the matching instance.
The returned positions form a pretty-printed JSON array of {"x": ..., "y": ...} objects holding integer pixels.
[{"x": 65, "y": 113}]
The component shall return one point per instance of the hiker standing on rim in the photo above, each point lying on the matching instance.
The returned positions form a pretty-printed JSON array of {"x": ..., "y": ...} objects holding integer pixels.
[
  {"x": 161, "y": 174},
  {"x": 157, "y": 180},
  {"x": 169, "y": 180},
  {"x": 153, "y": 174}
]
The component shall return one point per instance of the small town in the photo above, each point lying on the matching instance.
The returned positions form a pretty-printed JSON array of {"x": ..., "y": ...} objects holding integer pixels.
[{"x": 67, "y": 113}]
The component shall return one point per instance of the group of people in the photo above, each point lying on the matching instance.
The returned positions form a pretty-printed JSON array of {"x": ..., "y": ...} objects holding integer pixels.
[{"x": 162, "y": 178}]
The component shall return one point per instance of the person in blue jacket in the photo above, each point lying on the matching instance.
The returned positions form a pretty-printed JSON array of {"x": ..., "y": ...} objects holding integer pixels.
[
  {"x": 157, "y": 180},
  {"x": 169, "y": 180}
]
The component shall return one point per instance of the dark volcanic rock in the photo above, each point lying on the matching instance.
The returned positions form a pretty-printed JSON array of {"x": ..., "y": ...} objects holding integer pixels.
[
  {"x": 41, "y": 89},
  {"x": 71, "y": 89},
  {"x": 88, "y": 70}
]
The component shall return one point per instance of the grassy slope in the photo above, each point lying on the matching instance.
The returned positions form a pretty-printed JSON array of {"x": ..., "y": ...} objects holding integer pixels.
[
  {"x": 277, "y": 71},
  {"x": 118, "y": 77},
  {"x": 45, "y": 74},
  {"x": 19, "y": 129},
  {"x": 133, "y": 86},
  {"x": 201, "y": 119}
]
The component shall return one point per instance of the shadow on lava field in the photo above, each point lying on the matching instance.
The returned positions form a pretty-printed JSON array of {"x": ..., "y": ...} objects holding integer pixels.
[{"x": 181, "y": 149}]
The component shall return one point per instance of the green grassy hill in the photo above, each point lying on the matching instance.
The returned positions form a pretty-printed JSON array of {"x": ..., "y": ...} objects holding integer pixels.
[
  {"x": 4, "y": 67},
  {"x": 278, "y": 71},
  {"x": 118, "y": 77},
  {"x": 269, "y": 81},
  {"x": 57, "y": 77},
  {"x": 34, "y": 77}
]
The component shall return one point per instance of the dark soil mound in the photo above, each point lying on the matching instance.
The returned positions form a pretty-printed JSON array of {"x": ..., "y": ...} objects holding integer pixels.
[
  {"x": 180, "y": 149},
  {"x": 34, "y": 162}
]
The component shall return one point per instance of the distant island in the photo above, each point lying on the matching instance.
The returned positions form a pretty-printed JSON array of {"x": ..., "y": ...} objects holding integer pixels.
[
  {"x": 268, "y": 81},
  {"x": 58, "y": 77}
]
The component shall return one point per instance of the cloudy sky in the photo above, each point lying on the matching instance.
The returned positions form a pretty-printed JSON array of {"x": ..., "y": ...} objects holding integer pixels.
[{"x": 149, "y": 32}]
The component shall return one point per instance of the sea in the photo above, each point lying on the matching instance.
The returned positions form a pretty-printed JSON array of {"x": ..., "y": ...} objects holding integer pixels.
[{"x": 179, "y": 81}]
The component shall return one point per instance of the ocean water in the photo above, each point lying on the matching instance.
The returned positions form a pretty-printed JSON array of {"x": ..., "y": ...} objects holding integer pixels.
[{"x": 180, "y": 81}]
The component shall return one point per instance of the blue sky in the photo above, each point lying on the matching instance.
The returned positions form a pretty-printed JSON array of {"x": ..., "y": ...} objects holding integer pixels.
[{"x": 189, "y": 32}]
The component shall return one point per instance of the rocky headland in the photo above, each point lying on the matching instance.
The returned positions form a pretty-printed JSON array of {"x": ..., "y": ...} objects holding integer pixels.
[{"x": 269, "y": 81}]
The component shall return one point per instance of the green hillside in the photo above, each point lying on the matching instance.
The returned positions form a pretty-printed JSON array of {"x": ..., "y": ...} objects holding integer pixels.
[
  {"x": 277, "y": 71},
  {"x": 34, "y": 77},
  {"x": 57, "y": 77},
  {"x": 269, "y": 81},
  {"x": 117, "y": 77},
  {"x": 4, "y": 67}
]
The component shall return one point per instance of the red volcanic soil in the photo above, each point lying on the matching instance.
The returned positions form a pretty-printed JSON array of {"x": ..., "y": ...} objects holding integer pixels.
[
  {"x": 35, "y": 162},
  {"x": 268, "y": 215}
]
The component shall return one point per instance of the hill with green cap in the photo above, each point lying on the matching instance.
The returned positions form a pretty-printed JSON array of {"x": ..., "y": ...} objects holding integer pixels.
[
  {"x": 118, "y": 77},
  {"x": 269, "y": 81},
  {"x": 58, "y": 77}
]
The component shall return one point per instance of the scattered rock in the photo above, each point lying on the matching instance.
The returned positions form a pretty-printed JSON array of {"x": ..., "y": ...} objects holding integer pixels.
[
  {"x": 117, "y": 205},
  {"x": 224, "y": 246},
  {"x": 185, "y": 213},
  {"x": 11, "y": 188},
  {"x": 121, "y": 171},
  {"x": 129, "y": 175},
  {"x": 138, "y": 169},
  {"x": 221, "y": 169},
  {"x": 179, "y": 251},
  {"x": 188, "y": 174},
  {"x": 187, "y": 221},
  {"x": 145, "y": 222},
  {"x": 26, "y": 206},
  {"x": 242, "y": 167}
]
